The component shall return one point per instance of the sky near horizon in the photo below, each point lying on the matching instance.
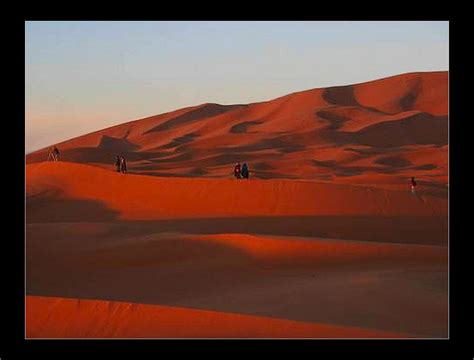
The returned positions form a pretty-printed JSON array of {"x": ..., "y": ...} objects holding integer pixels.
[{"x": 84, "y": 76}]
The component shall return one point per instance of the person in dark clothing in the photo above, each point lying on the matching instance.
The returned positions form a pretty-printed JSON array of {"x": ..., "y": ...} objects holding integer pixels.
[
  {"x": 123, "y": 165},
  {"x": 56, "y": 153},
  {"x": 245, "y": 171},
  {"x": 413, "y": 185},
  {"x": 237, "y": 171},
  {"x": 118, "y": 163}
]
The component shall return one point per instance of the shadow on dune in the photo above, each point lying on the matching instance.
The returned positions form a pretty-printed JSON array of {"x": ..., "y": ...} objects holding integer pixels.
[
  {"x": 344, "y": 96},
  {"x": 180, "y": 141},
  {"x": 180, "y": 157},
  {"x": 430, "y": 230},
  {"x": 113, "y": 144},
  {"x": 400, "y": 163},
  {"x": 372, "y": 151},
  {"x": 390, "y": 165},
  {"x": 284, "y": 143},
  {"x": 340, "y": 95},
  {"x": 324, "y": 163},
  {"x": 226, "y": 159},
  {"x": 50, "y": 209},
  {"x": 426, "y": 167},
  {"x": 407, "y": 102},
  {"x": 335, "y": 121},
  {"x": 393, "y": 161},
  {"x": 418, "y": 129},
  {"x": 206, "y": 111},
  {"x": 111, "y": 260},
  {"x": 243, "y": 126},
  {"x": 263, "y": 165}
]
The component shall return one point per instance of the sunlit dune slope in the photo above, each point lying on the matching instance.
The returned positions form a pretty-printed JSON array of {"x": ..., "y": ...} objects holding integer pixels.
[
  {"x": 80, "y": 318},
  {"x": 135, "y": 197}
]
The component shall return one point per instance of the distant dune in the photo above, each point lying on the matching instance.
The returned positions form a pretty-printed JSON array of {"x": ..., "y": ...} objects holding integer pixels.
[
  {"x": 324, "y": 240},
  {"x": 376, "y": 133}
]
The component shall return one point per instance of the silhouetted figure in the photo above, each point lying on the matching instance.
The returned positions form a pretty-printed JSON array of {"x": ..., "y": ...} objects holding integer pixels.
[
  {"x": 56, "y": 153},
  {"x": 123, "y": 165},
  {"x": 245, "y": 170},
  {"x": 118, "y": 163},
  {"x": 237, "y": 171},
  {"x": 413, "y": 185},
  {"x": 50, "y": 154}
]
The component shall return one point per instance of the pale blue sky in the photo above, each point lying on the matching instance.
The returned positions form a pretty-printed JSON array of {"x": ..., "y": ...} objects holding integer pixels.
[{"x": 84, "y": 76}]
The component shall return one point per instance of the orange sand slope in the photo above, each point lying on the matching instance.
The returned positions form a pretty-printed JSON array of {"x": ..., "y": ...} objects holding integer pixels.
[
  {"x": 376, "y": 133},
  {"x": 292, "y": 278},
  {"x": 324, "y": 240},
  {"x": 324, "y": 251},
  {"x": 135, "y": 197},
  {"x": 107, "y": 251},
  {"x": 79, "y": 318}
]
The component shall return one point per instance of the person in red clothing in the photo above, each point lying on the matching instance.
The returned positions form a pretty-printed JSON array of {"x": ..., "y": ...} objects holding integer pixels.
[
  {"x": 237, "y": 169},
  {"x": 413, "y": 185}
]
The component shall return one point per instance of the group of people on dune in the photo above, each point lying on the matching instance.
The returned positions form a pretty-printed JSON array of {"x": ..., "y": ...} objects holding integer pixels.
[
  {"x": 241, "y": 172},
  {"x": 121, "y": 164},
  {"x": 53, "y": 154}
]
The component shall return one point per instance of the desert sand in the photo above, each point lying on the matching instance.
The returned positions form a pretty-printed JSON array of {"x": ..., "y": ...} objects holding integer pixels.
[
  {"x": 324, "y": 241},
  {"x": 76, "y": 318}
]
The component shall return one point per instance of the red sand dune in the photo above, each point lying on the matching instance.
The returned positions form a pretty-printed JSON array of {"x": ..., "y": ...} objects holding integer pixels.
[
  {"x": 292, "y": 278},
  {"x": 335, "y": 134},
  {"x": 79, "y": 318},
  {"x": 138, "y": 197},
  {"x": 324, "y": 240}
]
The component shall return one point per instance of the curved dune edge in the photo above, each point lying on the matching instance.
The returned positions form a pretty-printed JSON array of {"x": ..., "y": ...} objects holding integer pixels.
[
  {"x": 48, "y": 317},
  {"x": 138, "y": 197},
  {"x": 323, "y": 251}
]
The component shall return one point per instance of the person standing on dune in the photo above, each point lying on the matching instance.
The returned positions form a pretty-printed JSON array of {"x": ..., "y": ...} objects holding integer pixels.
[
  {"x": 50, "y": 154},
  {"x": 118, "y": 163},
  {"x": 237, "y": 171},
  {"x": 245, "y": 170},
  {"x": 123, "y": 165},
  {"x": 55, "y": 153},
  {"x": 413, "y": 185}
]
